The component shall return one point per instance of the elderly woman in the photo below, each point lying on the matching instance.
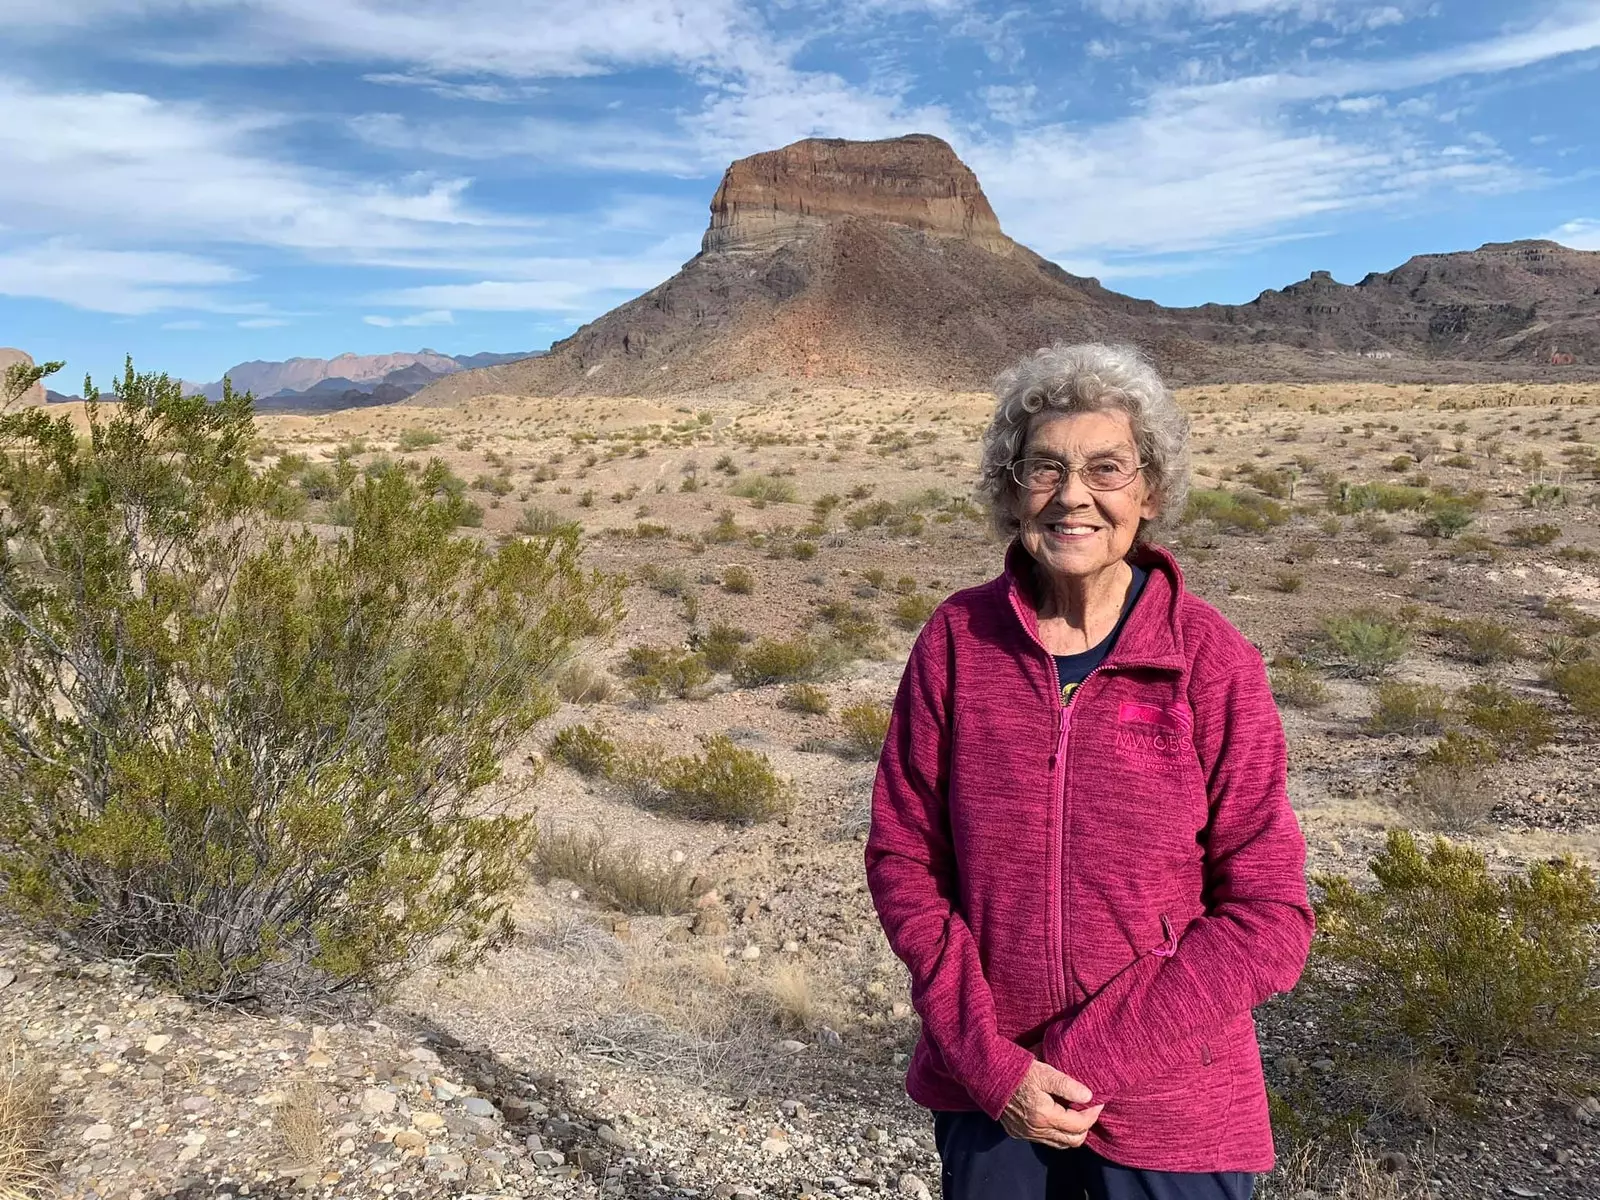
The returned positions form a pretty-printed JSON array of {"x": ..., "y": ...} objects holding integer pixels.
[{"x": 1081, "y": 844}]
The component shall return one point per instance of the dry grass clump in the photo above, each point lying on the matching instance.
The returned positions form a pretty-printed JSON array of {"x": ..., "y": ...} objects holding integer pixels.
[
  {"x": 1348, "y": 1171},
  {"x": 581, "y": 682},
  {"x": 1453, "y": 797},
  {"x": 619, "y": 875},
  {"x": 1408, "y": 708},
  {"x": 300, "y": 1123},
  {"x": 865, "y": 726},
  {"x": 25, "y": 1118},
  {"x": 1296, "y": 684},
  {"x": 1287, "y": 582},
  {"x": 740, "y": 580},
  {"x": 805, "y": 698},
  {"x": 795, "y": 1004}
]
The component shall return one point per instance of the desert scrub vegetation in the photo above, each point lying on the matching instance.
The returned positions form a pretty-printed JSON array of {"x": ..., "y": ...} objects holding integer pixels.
[
  {"x": 1514, "y": 725},
  {"x": 1579, "y": 685},
  {"x": 1363, "y": 643},
  {"x": 417, "y": 438},
  {"x": 865, "y": 726},
  {"x": 1297, "y": 684},
  {"x": 739, "y": 580},
  {"x": 805, "y": 698},
  {"x": 25, "y": 1119},
  {"x": 1408, "y": 708},
  {"x": 657, "y": 671},
  {"x": 1449, "y": 966},
  {"x": 1480, "y": 641},
  {"x": 618, "y": 875},
  {"x": 762, "y": 490},
  {"x": 798, "y": 660},
  {"x": 588, "y": 750},
  {"x": 1234, "y": 511},
  {"x": 724, "y": 782},
  {"x": 249, "y": 756},
  {"x": 719, "y": 646}
]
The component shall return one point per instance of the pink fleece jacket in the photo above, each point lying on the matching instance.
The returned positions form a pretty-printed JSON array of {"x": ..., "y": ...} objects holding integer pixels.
[{"x": 1111, "y": 886}]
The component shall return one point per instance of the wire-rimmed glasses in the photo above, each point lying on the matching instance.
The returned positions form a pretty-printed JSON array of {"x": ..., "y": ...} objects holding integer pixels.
[{"x": 1104, "y": 474}]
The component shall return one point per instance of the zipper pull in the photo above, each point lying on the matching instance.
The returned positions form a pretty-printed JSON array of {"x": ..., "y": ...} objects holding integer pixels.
[{"x": 1171, "y": 946}]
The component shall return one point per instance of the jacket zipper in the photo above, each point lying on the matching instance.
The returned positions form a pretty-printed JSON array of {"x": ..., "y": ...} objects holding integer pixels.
[{"x": 1061, "y": 948}]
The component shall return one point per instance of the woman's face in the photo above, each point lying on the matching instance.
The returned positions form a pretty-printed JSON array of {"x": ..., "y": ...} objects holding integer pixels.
[{"x": 1076, "y": 531}]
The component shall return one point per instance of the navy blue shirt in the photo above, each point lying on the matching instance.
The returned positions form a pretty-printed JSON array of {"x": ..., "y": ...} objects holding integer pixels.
[{"x": 1073, "y": 669}]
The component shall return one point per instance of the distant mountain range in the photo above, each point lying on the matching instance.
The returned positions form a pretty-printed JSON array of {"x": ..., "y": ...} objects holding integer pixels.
[{"x": 349, "y": 380}]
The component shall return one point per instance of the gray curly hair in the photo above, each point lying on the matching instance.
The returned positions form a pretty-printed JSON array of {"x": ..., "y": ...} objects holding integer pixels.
[{"x": 1089, "y": 377}]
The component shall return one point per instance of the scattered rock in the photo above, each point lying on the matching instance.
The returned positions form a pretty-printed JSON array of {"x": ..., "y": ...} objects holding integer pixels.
[
  {"x": 98, "y": 1132},
  {"x": 913, "y": 1185},
  {"x": 710, "y": 922},
  {"x": 1392, "y": 1161},
  {"x": 375, "y": 1102}
]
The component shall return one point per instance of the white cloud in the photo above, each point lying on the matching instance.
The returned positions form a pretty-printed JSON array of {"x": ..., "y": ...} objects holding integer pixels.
[
  {"x": 1580, "y": 234},
  {"x": 183, "y": 326},
  {"x": 125, "y": 282},
  {"x": 537, "y": 142},
  {"x": 508, "y": 38},
  {"x": 434, "y": 317},
  {"x": 573, "y": 285},
  {"x": 448, "y": 89},
  {"x": 264, "y": 322},
  {"x": 128, "y": 165}
]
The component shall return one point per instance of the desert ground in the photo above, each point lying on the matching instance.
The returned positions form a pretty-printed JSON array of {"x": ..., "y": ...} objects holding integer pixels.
[{"x": 703, "y": 1007}]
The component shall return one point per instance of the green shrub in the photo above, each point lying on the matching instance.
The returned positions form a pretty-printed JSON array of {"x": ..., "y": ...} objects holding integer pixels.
[
  {"x": 719, "y": 646},
  {"x": 1481, "y": 641},
  {"x": 1532, "y": 536},
  {"x": 1448, "y": 964},
  {"x": 542, "y": 522},
  {"x": 1408, "y": 708},
  {"x": 739, "y": 580},
  {"x": 1287, "y": 582},
  {"x": 587, "y": 750},
  {"x": 1364, "y": 642},
  {"x": 1445, "y": 521},
  {"x": 771, "y": 661},
  {"x": 1348, "y": 498},
  {"x": 666, "y": 670},
  {"x": 1515, "y": 725},
  {"x": 723, "y": 783},
  {"x": 1242, "y": 512},
  {"x": 1297, "y": 685},
  {"x": 865, "y": 726},
  {"x": 913, "y": 611},
  {"x": 762, "y": 490},
  {"x": 251, "y": 757},
  {"x": 854, "y": 628},
  {"x": 805, "y": 698},
  {"x": 1559, "y": 650},
  {"x": 417, "y": 438},
  {"x": 1579, "y": 685},
  {"x": 618, "y": 876}
]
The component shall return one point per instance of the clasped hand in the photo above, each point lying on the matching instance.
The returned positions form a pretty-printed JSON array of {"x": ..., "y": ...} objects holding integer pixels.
[{"x": 1038, "y": 1112}]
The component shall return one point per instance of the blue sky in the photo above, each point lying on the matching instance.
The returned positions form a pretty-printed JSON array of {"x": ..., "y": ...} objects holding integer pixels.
[{"x": 200, "y": 182}]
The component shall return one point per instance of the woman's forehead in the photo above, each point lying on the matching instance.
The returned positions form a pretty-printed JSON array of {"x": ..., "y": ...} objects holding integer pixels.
[{"x": 1084, "y": 433}]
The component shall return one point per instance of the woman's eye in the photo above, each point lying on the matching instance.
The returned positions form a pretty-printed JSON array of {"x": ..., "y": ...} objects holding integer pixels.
[{"x": 1105, "y": 470}]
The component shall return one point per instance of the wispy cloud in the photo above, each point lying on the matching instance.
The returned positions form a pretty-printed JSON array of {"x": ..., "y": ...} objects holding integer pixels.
[
  {"x": 264, "y": 322},
  {"x": 126, "y": 282},
  {"x": 433, "y": 317}
]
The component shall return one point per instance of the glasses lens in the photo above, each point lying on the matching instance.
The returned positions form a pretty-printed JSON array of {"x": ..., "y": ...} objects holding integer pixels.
[
  {"x": 1037, "y": 474},
  {"x": 1105, "y": 474}
]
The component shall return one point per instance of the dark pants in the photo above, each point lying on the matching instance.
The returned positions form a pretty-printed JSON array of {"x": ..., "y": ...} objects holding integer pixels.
[{"x": 981, "y": 1162}]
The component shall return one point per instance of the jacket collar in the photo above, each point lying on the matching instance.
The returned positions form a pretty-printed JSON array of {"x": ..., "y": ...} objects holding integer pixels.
[{"x": 1152, "y": 636}]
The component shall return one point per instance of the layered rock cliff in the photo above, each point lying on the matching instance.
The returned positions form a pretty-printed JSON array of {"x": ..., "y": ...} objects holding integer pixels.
[
  {"x": 9, "y": 357},
  {"x": 783, "y": 196}
]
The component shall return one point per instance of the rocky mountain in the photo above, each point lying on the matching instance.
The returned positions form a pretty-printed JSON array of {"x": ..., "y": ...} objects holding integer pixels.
[
  {"x": 9, "y": 358},
  {"x": 397, "y": 375},
  {"x": 883, "y": 263}
]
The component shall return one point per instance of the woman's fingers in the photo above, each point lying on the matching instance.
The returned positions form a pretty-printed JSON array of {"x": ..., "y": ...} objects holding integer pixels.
[{"x": 1058, "y": 1083}]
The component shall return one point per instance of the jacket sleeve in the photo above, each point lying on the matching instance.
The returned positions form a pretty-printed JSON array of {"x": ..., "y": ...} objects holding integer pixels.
[
  {"x": 1252, "y": 940},
  {"x": 911, "y": 872}
]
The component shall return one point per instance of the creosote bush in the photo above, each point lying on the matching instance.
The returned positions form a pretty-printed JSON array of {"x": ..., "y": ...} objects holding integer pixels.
[
  {"x": 1298, "y": 685},
  {"x": 723, "y": 783},
  {"x": 1480, "y": 641},
  {"x": 1408, "y": 708},
  {"x": 1579, "y": 684},
  {"x": 772, "y": 661},
  {"x": 739, "y": 580},
  {"x": 912, "y": 611},
  {"x": 249, "y": 756},
  {"x": 1515, "y": 725},
  {"x": 588, "y": 750},
  {"x": 1452, "y": 965},
  {"x": 719, "y": 646}
]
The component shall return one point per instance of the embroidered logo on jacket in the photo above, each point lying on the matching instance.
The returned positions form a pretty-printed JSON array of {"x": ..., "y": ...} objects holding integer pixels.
[{"x": 1151, "y": 729}]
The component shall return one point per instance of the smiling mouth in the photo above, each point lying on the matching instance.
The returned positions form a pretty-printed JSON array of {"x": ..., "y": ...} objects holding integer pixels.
[{"x": 1068, "y": 529}]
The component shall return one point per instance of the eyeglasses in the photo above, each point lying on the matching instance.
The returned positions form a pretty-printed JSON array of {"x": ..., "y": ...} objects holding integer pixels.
[{"x": 1099, "y": 474}]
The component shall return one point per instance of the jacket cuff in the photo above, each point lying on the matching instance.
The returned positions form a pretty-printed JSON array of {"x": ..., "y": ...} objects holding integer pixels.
[{"x": 1003, "y": 1073}]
